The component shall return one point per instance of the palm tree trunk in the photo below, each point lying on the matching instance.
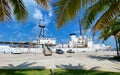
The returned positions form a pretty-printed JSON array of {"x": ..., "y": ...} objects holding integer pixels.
[{"x": 117, "y": 47}]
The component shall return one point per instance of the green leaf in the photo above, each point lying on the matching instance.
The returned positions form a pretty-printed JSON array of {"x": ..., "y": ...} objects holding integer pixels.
[
  {"x": 5, "y": 11},
  {"x": 19, "y": 9},
  {"x": 44, "y": 3},
  {"x": 66, "y": 10}
]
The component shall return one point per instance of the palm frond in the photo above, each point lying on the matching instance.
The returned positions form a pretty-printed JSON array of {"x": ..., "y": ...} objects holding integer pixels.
[
  {"x": 105, "y": 34},
  {"x": 107, "y": 17},
  {"x": 118, "y": 34},
  {"x": 110, "y": 29},
  {"x": 66, "y": 10},
  {"x": 85, "y": 3},
  {"x": 116, "y": 29},
  {"x": 19, "y": 8},
  {"x": 5, "y": 11},
  {"x": 44, "y": 3},
  {"x": 93, "y": 12}
]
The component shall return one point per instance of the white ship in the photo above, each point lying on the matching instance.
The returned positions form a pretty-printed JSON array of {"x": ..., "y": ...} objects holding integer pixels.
[
  {"x": 77, "y": 44},
  {"x": 27, "y": 47},
  {"x": 82, "y": 43}
]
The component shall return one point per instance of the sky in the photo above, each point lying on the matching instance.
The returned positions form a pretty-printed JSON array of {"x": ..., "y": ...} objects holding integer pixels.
[{"x": 29, "y": 30}]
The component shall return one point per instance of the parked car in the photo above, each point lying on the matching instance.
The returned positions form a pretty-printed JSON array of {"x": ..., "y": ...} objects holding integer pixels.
[
  {"x": 59, "y": 51},
  {"x": 70, "y": 51}
]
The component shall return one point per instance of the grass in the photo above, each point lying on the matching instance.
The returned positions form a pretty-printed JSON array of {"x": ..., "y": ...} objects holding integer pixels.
[{"x": 57, "y": 72}]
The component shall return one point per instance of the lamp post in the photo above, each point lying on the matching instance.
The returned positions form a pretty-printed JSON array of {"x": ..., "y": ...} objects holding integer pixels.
[{"x": 53, "y": 63}]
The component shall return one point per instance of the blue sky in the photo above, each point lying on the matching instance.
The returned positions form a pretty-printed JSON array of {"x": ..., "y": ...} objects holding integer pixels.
[{"x": 29, "y": 30}]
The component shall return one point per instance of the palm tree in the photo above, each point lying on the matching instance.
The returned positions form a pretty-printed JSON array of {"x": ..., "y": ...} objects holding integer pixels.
[
  {"x": 18, "y": 8},
  {"x": 113, "y": 29},
  {"x": 44, "y": 3},
  {"x": 101, "y": 13},
  {"x": 66, "y": 10}
]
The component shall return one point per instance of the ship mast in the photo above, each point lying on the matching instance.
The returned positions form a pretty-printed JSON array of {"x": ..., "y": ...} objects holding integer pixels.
[
  {"x": 41, "y": 34},
  {"x": 80, "y": 28}
]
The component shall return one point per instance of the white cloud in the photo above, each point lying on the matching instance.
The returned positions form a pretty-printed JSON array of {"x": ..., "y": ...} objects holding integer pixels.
[
  {"x": 37, "y": 14},
  {"x": 50, "y": 14},
  {"x": 45, "y": 20}
]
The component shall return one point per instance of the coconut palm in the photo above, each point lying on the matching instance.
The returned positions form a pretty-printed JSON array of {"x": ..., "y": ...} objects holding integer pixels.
[
  {"x": 101, "y": 13},
  {"x": 18, "y": 8},
  {"x": 106, "y": 12},
  {"x": 44, "y": 3},
  {"x": 113, "y": 29},
  {"x": 66, "y": 10}
]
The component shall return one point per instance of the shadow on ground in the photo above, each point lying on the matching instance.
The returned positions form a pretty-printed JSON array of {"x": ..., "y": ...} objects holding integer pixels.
[
  {"x": 70, "y": 66},
  {"x": 70, "y": 71},
  {"x": 110, "y": 59},
  {"x": 99, "y": 58},
  {"x": 24, "y": 65},
  {"x": 78, "y": 70},
  {"x": 20, "y": 69},
  {"x": 79, "y": 66}
]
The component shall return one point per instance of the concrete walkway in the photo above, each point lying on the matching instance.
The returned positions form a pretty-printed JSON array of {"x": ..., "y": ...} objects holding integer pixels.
[{"x": 82, "y": 60}]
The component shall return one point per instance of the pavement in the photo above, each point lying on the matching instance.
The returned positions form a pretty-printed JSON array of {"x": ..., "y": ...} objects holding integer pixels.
[{"x": 82, "y": 60}]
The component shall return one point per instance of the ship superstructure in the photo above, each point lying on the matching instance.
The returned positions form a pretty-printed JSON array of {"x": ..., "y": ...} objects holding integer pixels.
[
  {"x": 82, "y": 43},
  {"x": 77, "y": 44}
]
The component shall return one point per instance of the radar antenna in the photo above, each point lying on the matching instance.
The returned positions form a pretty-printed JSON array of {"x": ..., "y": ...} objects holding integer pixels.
[{"x": 41, "y": 34}]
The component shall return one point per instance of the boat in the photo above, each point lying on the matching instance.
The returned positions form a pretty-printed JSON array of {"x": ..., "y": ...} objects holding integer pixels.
[
  {"x": 48, "y": 45},
  {"x": 82, "y": 44},
  {"x": 27, "y": 47}
]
